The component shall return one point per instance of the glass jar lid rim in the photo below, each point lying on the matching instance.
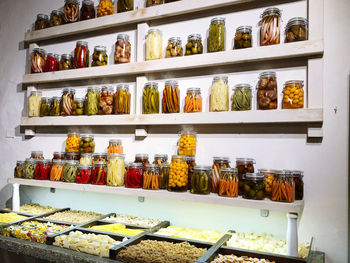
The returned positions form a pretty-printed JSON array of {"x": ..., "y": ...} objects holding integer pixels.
[
  {"x": 141, "y": 155},
  {"x": 100, "y": 163},
  {"x": 79, "y": 99},
  {"x": 100, "y": 48},
  {"x": 171, "y": 82},
  {"x": 293, "y": 81},
  {"x": 88, "y": 2},
  {"x": 152, "y": 83},
  {"x": 52, "y": 54},
  {"x": 68, "y": 90},
  {"x": 56, "y": 98},
  {"x": 72, "y": 154},
  {"x": 73, "y": 133},
  {"x": 245, "y": 160},
  {"x": 43, "y": 16},
  {"x": 99, "y": 154},
  {"x": 268, "y": 73},
  {"x": 58, "y": 161},
  {"x": 93, "y": 89},
  {"x": 72, "y": 161},
  {"x": 31, "y": 160},
  {"x": 189, "y": 158},
  {"x": 160, "y": 155},
  {"x": 123, "y": 86},
  {"x": 40, "y": 50},
  {"x": 297, "y": 19},
  {"x": 221, "y": 158},
  {"x": 135, "y": 165},
  {"x": 85, "y": 165},
  {"x": 45, "y": 98},
  {"x": 86, "y": 154},
  {"x": 66, "y": 56},
  {"x": 151, "y": 165},
  {"x": 82, "y": 43},
  {"x": 178, "y": 157},
  {"x": 218, "y": 19},
  {"x": 271, "y": 11},
  {"x": 86, "y": 136},
  {"x": 117, "y": 141},
  {"x": 117, "y": 155},
  {"x": 263, "y": 170},
  {"x": 122, "y": 36},
  {"x": 59, "y": 152},
  {"x": 36, "y": 92},
  {"x": 229, "y": 169},
  {"x": 220, "y": 77},
  {"x": 175, "y": 39},
  {"x": 242, "y": 86},
  {"x": 154, "y": 30},
  {"x": 242, "y": 28},
  {"x": 255, "y": 176},
  {"x": 76, "y": 1},
  {"x": 194, "y": 90},
  {"x": 202, "y": 167},
  {"x": 20, "y": 162},
  {"x": 37, "y": 152},
  {"x": 194, "y": 36},
  {"x": 107, "y": 88}
]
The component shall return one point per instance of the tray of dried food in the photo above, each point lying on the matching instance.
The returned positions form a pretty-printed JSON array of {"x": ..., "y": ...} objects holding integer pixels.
[
  {"x": 36, "y": 209},
  {"x": 10, "y": 217},
  {"x": 133, "y": 220},
  {"x": 74, "y": 216}
]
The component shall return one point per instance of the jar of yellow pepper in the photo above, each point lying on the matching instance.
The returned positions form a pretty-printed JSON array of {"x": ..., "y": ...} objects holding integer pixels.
[
  {"x": 105, "y": 8},
  {"x": 178, "y": 174},
  {"x": 73, "y": 142},
  {"x": 187, "y": 143}
]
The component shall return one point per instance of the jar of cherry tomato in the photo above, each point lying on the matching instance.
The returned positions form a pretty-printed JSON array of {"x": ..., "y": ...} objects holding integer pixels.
[
  {"x": 84, "y": 175},
  {"x": 178, "y": 174},
  {"x": 52, "y": 63},
  {"x": 81, "y": 55},
  {"x": 134, "y": 178},
  {"x": 42, "y": 170},
  {"x": 99, "y": 173}
]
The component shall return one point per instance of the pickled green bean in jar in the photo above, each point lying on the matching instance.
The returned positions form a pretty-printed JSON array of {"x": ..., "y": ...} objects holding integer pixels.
[
  {"x": 45, "y": 107},
  {"x": 217, "y": 32},
  {"x": 241, "y": 98},
  {"x": 70, "y": 171},
  {"x": 150, "y": 98},
  {"x": 55, "y": 108},
  {"x": 92, "y": 100},
  {"x": 29, "y": 168}
]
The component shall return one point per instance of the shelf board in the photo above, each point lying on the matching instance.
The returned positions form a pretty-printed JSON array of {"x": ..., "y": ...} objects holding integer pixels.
[
  {"x": 267, "y": 53},
  {"x": 296, "y": 207}
]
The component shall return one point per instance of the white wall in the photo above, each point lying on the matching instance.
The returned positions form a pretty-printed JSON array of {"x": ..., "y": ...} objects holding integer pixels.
[{"x": 325, "y": 164}]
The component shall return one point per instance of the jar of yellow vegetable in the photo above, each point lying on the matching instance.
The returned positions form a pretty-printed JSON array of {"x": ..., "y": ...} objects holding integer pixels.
[
  {"x": 34, "y": 103},
  {"x": 219, "y": 96},
  {"x": 116, "y": 170},
  {"x": 178, "y": 174},
  {"x": 187, "y": 143},
  {"x": 73, "y": 142},
  {"x": 154, "y": 42}
]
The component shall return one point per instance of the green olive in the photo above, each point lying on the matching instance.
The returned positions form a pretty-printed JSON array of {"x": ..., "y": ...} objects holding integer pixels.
[
  {"x": 189, "y": 45},
  {"x": 252, "y": 193},
  {"x": 246, "y": 188},
  {"x": 260, "y": 195},
  {"x": 194, "y": 50}
]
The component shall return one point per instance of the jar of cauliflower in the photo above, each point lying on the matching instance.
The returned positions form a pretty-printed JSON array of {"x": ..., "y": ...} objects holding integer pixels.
[
  {"x": 116, "y": 170},
  {"x": 219, "y": 96},
  {"x": 154, "y": 43}
]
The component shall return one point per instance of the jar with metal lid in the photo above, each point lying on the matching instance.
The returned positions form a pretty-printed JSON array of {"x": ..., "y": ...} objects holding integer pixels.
[
  {"x": 56, "y": 18},
  {"x": 66, "y": 62},
  {"x": 99, "y": 57},
  {"x": 86, "y": 158},
  {"x": 84, "y": 175},
  {"x": 99, "y": 157},
  {"x": 52, "y": 63},
  {"x": 134, "y": 178},
  {"x": 56, "y": 173},
  {"x": 267, "y": 91},
  {"x": 78, "y": 107},
  {"x": 150, "y": 3},
  {"x": 228, "y": 183},
  {"x": 87, "y": 10},
  {"x": 38, "y": 60},
  {"x": 34, "y": 104},
  {"x": 217, "y": 34},
  {"x": 29, "y": 168},
  {"x": 70, "y": 171},
  {"x": 160, "y": 159},
  {"x": 116, "y": 170},
  {"x": 72, "y": 156},
  {"x": 87, "y": 143},
  {"x": 269, "y": 177},
  {"x": 37, "y": 155},
  {"x": 283, "y": 187},
  {"x": 42, "y": 21},
  {"x": 55, "y": 107},
  {"x": 19, "y": 169},
  {"x": 81, "y": 55},
  {"x": 191, "y": 163},
  {"x": 187, "y": 143},
  {"x": 219, "y": 96},
  {"x": 42, "y": 170},
  {"x": 270, "y": 27},
  {"x": 244, "y": 165},
  {"x": 178, "y": 174},
  {"x": 201, "y": 180},
  {"x": 193, "y": 100},
  {"x": 45, "y": 106},
  {"x": 299, "y": 184},
  {"x": 71, "y": 11},
  {"x": 142, "y": 158},
  {"x": 67, "y": 101},
  {"x": 122, "y": 99},
  {"x": 241, "y": 98},
  {"x": 92, "y": 101},
  {"x": 154, "y": 44},
  {"x": 105, "y": 8},
  {"x": 59, "y": 156},
  {"x": 164, "y": 176},
  {"x": 194, "y": 45},
  {"x": 293, "y": 95},
  {"x": 174, "y": 48},
  {"x": 296, "y": 30},
  {"x": 151, "y": 177},
  {"x": 150, "y": 98},
  {"x": 114, "y": 146},
  {"x": 122, "y": 53},
  {"x": 125, "y": 6},
  {"x": 99, "y": 173},
  {"x": 243, "y": 37},
  {"x": 73, "y": 142},
  {"x": 254, "y": 186},
  {"x": 171, "y": 97},
  {"x": 218, "y": 164}
]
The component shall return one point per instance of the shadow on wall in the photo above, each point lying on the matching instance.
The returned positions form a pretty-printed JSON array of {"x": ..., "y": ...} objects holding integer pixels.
[{"x": 4, "y": 193}]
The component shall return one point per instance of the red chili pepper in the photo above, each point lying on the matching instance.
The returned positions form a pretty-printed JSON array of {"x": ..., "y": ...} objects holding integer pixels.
[
  {"x": 133, "y": 178},
  {"x": 99, "y": 176},
  {"x": 51, "y": 64},
  {"x": 84, "y": 176},
  {"x": 42, "y": 171}
]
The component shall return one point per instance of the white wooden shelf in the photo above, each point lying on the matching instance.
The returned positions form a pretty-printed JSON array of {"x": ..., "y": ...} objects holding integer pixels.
[
  {"x": 295, "y": 207},
  {"x": 268, "y": 53}
]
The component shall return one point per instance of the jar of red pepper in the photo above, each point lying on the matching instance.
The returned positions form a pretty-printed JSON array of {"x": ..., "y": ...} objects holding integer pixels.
[
  {"x": 134, "y": 178},
  {"x": 81, "y": 55},
  {"x": 52, "y": 63},
  {"x": 84, "y": 175},
  {"x": 99, "y": 173},
  {"x": 42, "y": 170}
]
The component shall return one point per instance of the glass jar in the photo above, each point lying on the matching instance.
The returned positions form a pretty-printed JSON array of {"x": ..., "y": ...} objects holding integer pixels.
[
  {"x": 81, "y": 55},
  {"x": 71, "y": 11},
  {"x": 99, "y": 157},
  {"x": 244, "y": 165},
  {"x": 299, "y": 184},
  {"x": 86, "y": 158},
  {"x": 171, "y": 97},
  {"x": 267, "y": 91},
  {"x": 67, "y": 101},
  {"x": 270, "y": 27},
  {"x": 122, "y": 100},
  {"x": 72, "y": 156},
  {"x": 164, "y": 176},
  {"x": 269, "y": 177},
  {"x": 55, "y": 107},
  {"x": 106, "y": 101},
  {"x": 45, "y": 106},
  {"x": 42, "y": 21},
  {"x": 56, "y": 173},
  {"x": 66, "y": 62},
  {"x": 38, "y": 60},
  {"x": 56, "y": 18},
  {"x": 293, "y": 95},
  {"x": 73, "y": 142},
  {"x": 219, "y": 96},
  {"x": 87, "y": 144},
  {"x": 296, "y": 30},
  {"x": 151, "y": 177},
  {"x": 150, "y": 98},
  {"x": 191, "y": 163},
  {"x": 228, "y": 183},
  {"x": 84, "y": 175},
  {"x": 52, "y": 63},
  {"x": 283, "y": 187},
  {"x": 187, "y": 143},
  {"x": 218, "y": 164},
  {"x": 150, "y": 3},
  {"x": 116, "y": 170},
  {"x": 122, "y": 53},
  {"x": 201, "y": 180},
  {"x": 154, "y": 44},
  {"x": 134, "y": 177},
  {"x": 59, "y": 156},
  {"x": 241, "y": 98},
  {"x": 29, "y": 168},
  {"x": 70, "y": 171},
  {"x": 170, "y": 1},
  {"x": 37, "y": 155},
  {"x": 34, "y": 104},
  {"x": 114, "y": 146},
  {"x": 254, "y": 186},
  {"x": 87, "y": 10},
  {"x": 105, "y": 8},
  {"x": 178, "y": 174},
  {"x": 92, "y": 101},
  {"x": 19, "y": 169},
  {"x": 243, "y": 37},
  {"x": 160, "y": 159},
  {"x": 193, "y": 100},
  {"x": 194, "y": 45},
  {"x": 125, "y": 6},
  {"x": 42, "y": 170},
  {"x": 99, "y": 57},
  {"x": 78, "y": 107},
  {"x": 99, "y": 173},
  {"x": 217, "y": 32},
  {"x": 142, "y": 158},
  {"x": 174, "y": 48}
]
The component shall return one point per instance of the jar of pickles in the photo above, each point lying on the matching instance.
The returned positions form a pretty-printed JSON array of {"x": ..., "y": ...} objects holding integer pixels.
[
  {"x": 151, "y": 177},
  {"x": 171, "y": 97},
  {"x": 122, "y": 53},
  {"x": 87, "y": 10},
  {"x": 99, "y": 157},
  {"x": 67, "y": 101},
  {"x": 42, "y": 170},
  {"x": 219, "y": 96},
  {"x": 270, "y": 27},
  {"x": 116, "y": 170},
  {"x": 254, "y": 186},
  {"x": 154, "y": 44},
  {"x": 164, "y": 176},
  {"x": 99, "y": 57},
  {"x": 81, "y": 55},
  {"x": 105, "y": 8},
  {"x": 73, "y": 143},
  {"x": 193, "y": 100},
  {"x": 228, "y": 183},
  {"x": 218, "y": 164},
  {"x": 114, "y": 146},
  {"x": 244, "y": 165},
  {"x": 59, "y": 156},
  {"x": 134, "y": 178},
  {"x": 174, "y": 48},
  {"x": 283, "y": 187},
  {"x": 150, "y": 3},
  {"x": 125, "y": 6},
  {"x": 78, "y": 107},
  {"x": 92, "y": 101},
  {"x": 194, "y": 45},
  {"x": 143, "y": 159},
  {"x": 86, "y": 158},
  {"x": 70, "y": 171},
  {"x": 241, "y": 98},
  {"x": 56, "y": 173},
  {"x": 217, "y": 33},
  {"x": 160, "y": 159},
  {"x": 45, "y": 106},
  {"x": 56, "y": 18},
  {"x": 243, "y": 37},
  {"x": 34, "y": 104},
  {"x": 178, "y": 174},
  {"x": 38, "y": 60},
  {"x": 19, "y": 169},
  {"x": 267, "y": 91},
  {"x": 87, "y": 144},
  {"x": 293, "y": 95},
  {"x": 201, "y": 180},
  {"x": 122, "y": 99},
  {"x": 42, "y": 21},
  {"x": 55, "y": 107},
  {"x": 84, "y": 174},
  {"x": 106, "y": 101},
  {"x": 99, "y": 173},
  {"x": 72, "y": 156},
  {"x": 299, "y": 184},
  {"x": 296, "y": 30},
  {"x": 29, "y": 168},
  {"x": 269, "y": 177},
  {"x": 191, "y": 163},
  {"x": 52, "y": 63},
  {"x": 187, "y": 143},
  {"x": 150, "y": 98},
  {"x": 66, "y": 62},
  {"x": 37, "y": 155},
  {"x": 71, "y": 11}
]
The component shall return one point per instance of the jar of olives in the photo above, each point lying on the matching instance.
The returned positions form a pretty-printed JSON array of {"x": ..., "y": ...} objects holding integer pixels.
[
  {"x": 150, "y": 98},
  {"x": 45, "y": 107},
  {"x": 19, "y": 169},
  {"x": 154, "y": 44},
  {"x": 283, "y": 187},
  {"x": 87, "y": 144},
  {"x": 67, "y": 101},
  {"x": 296, "y": 30},
  {"x": 92, "y": 100},
  {"x": 228, "y": 183},
  {"x": 122, "y": 99},
  {"x": 142, "y": 158},
  {"x": 78, "y": 107},
  {"x": 241, "y": 98},
  {"x": 55, "y": 108},
  {"x": 160, "y": 159},
  {"x": 38, "y": 60},
  {"x": 267, "y": 91},
  {"x": 34, "y": 104},
  {"x": 42, "y": 21},
  {"x": 29, "y": 168},
  {"x": 201, "y": 180},
  {"x": 71, "y": 11},
  {"x": 122, "y": 53},
  {"x": 174, "y": 48},
  {"x": 56, "y": 18},
  {"x": 219, "y": 96},
  {"x": 87, "y": 10},
  {"x": 150, "y": 3},
  {"x": 99, "y": 57},
  {"x": 243, "y": 37},
  {"x": 178, "y": 174},
  {"x": 217, "y": 33},
  {"x": 171, "y": 97},
  {"x": 59, "y": 156},
  {"x": 194, "y": 45},
  {"x": 293, "y": 95},
  {"x": 66, "y": 62},
  {"x": 218, "y": 164},
  {"x": 270, "y": 27},
  {"x": 125, "y": 5},
  {"x": 299, "y": 184},
  {"x": 254, "y": 186},
  {"x": 151, "y": 177},
  {"x": 39, "y": 155},
  {"x": 70, "y": 171},
  {"x": 191, "y": 163},
  {"x": 244, "y": 165}
]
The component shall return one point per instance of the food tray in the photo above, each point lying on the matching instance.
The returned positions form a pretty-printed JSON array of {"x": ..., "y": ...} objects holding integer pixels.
[{"x": 14, "y": 222}]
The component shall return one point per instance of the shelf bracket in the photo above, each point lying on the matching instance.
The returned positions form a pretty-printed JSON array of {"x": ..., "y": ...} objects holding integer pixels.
[
  {"x": 292, "y": 235},
  {"x": 53, "y": 190},
  {"x": 264, "y": 213},
  {"x": 15, "y": 197},
  {"x": 140, "y": 134},
  {"x": 141, "y": 199},
  {"x": 315, "y": 132}
]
